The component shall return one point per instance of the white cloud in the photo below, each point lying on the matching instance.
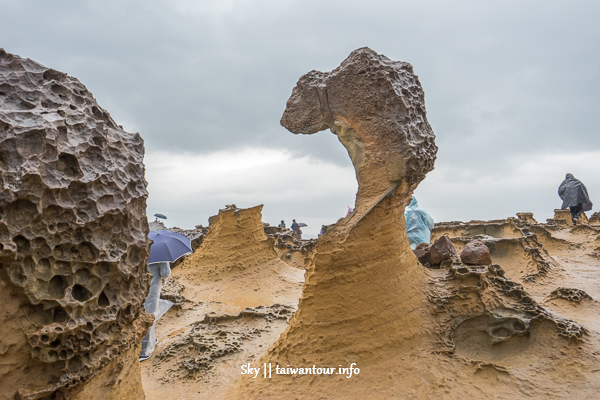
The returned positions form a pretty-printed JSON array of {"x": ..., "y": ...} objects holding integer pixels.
[
  {"x": 189, "y": 188},
  {"x": 524, "y": 183}
]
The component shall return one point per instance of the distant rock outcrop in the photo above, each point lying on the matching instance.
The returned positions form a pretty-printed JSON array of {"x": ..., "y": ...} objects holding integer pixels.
[
  {"x": 73, "y": 241},
  {"x": 235, "y": 241},
  {"x": 237, "y": 257}
]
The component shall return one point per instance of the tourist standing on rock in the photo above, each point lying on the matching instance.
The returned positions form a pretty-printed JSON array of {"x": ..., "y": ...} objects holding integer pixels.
[
  {"x": 418, "y": 224},
  {"x": 296, "y": 229},
  {"x": 282, "y": 224},
  {"x": 575, "y": 196}
]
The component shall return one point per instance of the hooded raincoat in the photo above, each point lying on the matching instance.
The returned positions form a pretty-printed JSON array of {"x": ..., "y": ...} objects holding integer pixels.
[
  {"x": 418, "y": 224},
  {"x": 573, "y": 192}
]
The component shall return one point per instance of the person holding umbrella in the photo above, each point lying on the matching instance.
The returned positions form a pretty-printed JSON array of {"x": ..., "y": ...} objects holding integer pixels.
[
  {"x": 167, "y": 247},
  {"x": 296, "y": 228}
]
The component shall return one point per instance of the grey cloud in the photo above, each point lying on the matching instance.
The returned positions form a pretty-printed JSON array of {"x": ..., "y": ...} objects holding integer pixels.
[{"x": 500, "y": 78}]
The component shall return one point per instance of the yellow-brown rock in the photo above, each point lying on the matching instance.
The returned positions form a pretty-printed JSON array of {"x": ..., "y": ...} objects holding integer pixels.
[
  {"x": 413, "y": 332},
  {"x": 237, "y": 263},
  {"x": 73, "y": 238},
  {"x": 365, "y": 281}
]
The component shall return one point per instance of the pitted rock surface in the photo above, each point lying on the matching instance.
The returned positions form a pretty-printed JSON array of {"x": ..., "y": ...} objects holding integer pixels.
[
  {"x": 363, "y": 273},
  {"x": 376, "y": 108},
  {"x": 571, "y": 294},
  {"x": 73, "y": 229}
]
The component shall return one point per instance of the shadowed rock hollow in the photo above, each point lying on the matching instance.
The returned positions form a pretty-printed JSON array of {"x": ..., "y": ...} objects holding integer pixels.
[
  {"x": 73, "y": 241},
  {"x": 457, "y": 332}
]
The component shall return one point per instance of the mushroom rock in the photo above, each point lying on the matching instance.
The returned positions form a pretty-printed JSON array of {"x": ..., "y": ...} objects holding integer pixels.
[
  {"x": 367, "y": 303},
  {"x": 73, "y": 240},
  {"x": 363, "y": 296}
]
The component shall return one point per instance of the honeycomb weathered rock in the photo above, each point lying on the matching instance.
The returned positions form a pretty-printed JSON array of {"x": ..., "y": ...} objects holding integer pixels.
[{"x": 73, "y": 231}]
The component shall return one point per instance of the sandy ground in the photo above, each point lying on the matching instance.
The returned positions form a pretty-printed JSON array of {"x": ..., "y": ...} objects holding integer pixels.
[{"x": 205, "y": 339}]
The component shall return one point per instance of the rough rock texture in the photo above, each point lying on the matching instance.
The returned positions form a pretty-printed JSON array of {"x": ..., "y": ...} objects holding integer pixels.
[
  {"x": 236, "y": 240},
  {"x": 237, "y": 257},
  {"x": 476, "y": 253},
  {"x": 527, "y": 217},
  {"x": 297, "y": 253},
  {"x": 564, "y": 217},
  {"x": 364, "y": 275},
  {"x": 458, "y": 332},
  {"x": 442, "y": 250},
  {"x": 513, "y": 243},
  {"x": 73, "y": 237},
  {"x": 422, "y": 253},
  {"x": 371, "y": 103},
  {"x": 570, "y": 294},
  {"x": 595, "y": 219},
  {"x": 214, "y": 338},
  {"x": 237, "y": 285}
]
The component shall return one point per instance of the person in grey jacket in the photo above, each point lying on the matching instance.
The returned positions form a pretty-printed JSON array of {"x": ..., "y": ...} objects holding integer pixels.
[{"x": 575, "y": 196}]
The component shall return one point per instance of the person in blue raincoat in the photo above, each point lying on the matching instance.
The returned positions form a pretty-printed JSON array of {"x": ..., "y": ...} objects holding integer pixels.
[{"x": 418, "y": 224}]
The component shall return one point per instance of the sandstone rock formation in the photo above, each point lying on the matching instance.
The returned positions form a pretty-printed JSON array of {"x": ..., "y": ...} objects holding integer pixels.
[
  {"x": 526, "y": 216},
  {"x": 364, "y": 278},
  {"x": 235, "y": 241},
  {"x": 371, "y": 103},
  {"x": 233, "y": 297},
  {"x": 455, "y": 332},
  {"x": 564, "y": 217},
  {"x": 513, "y": 243},
  {"x": 234, "y": 257},
  {"x": 595, "y": 219},
  {"x": 73, "y": 240}
]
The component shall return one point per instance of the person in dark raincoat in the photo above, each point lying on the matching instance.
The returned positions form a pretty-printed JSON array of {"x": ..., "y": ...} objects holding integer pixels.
[
  {"x": 575, "y": 196},
  {"x": 296, "y": 229},
  {"x": 418, "y": 224}
]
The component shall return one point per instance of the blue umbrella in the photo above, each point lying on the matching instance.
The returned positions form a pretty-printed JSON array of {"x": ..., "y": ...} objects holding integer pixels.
[
  {"x": 168, "y": 246},
  {"x": 160, "y": 216}
]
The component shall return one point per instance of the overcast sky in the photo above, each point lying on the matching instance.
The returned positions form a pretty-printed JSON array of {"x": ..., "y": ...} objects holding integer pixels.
[{"x": 512, "y": 90}]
